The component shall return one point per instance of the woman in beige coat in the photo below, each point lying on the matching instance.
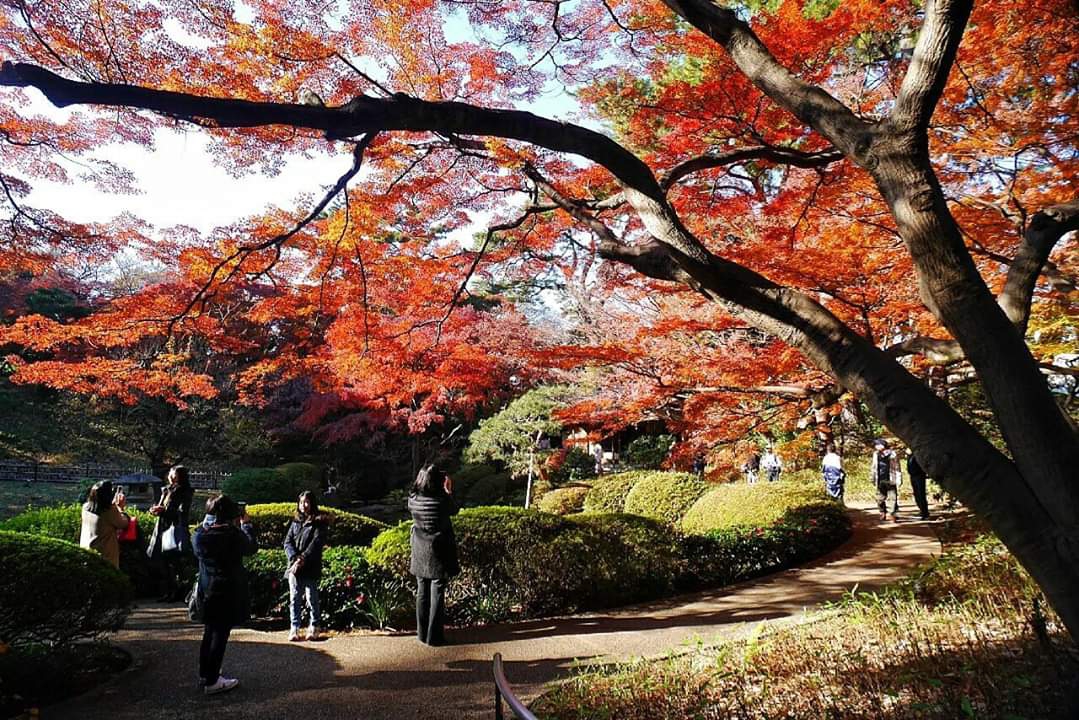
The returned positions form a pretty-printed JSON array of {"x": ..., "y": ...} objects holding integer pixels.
[{"x": 103, "y": 517}]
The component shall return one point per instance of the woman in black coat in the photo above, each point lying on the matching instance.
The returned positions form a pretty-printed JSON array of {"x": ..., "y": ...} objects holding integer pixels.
[
  {"x": 220, "y": 543},
  {"x": 303, "y": 546},
  {"x": 173, "y": 510},
  {"x": 434, "y": 550}
]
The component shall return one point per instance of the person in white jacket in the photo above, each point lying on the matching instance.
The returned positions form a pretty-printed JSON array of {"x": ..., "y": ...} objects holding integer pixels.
[{"x": 771, "y": 465}]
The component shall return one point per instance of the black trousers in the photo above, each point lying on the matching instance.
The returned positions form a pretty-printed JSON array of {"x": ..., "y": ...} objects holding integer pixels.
[
  {"x": 431, "y": 610},
  {"x": 212, "y": 651},
  {"x": 917, "y": 487}
]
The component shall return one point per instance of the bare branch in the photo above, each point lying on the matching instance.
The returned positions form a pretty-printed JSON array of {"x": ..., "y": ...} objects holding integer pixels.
[
  {"x": 1044, "y": 230},
  {"x": 809, "y": 103},
  {"x": 934, "y": 54},
  {"x": 779, "y": 155}
]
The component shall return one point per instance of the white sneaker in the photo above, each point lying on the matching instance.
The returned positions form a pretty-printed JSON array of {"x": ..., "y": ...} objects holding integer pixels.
[
  {"x": 223, "y": 684},
  {"x": 294, "y": 635},
  {"x": 312, "y": 633}
]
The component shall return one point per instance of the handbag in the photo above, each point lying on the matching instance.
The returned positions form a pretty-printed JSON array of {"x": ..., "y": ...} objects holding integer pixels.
[
  {"x": 195, "y": 603},
  {"x": 130, "y": 533},
  {"x": 173, "y": 539}
]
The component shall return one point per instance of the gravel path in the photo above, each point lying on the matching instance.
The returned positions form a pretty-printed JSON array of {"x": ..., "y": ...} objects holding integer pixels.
[{"x": 377, "y": 676}]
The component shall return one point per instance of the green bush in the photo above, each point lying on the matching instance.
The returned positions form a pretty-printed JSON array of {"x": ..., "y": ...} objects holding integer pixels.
[
  {"x": 271, "y": 523},
  {"x": 756, "y": 505},
  {"x": 352, "y": 592},
  {"x": 488, "y": 490},
  {"x": 648, "y": 451},
  {"x": 724, "y": 556},
  {"x": 664, "y": 495},
  {"x": 572, "y": 465},
  {"x": 53, "y": 592},
  {"x": 272, "y": 485},
  {"x": 608, "y": 493},
  {"x": 523, "y": 563},
  {"x": 563, "y": 501},
  {"x": 64, "y": 522}
]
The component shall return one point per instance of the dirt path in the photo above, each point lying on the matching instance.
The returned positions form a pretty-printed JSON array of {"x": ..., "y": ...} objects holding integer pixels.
[{"x": 380, "y": 677}]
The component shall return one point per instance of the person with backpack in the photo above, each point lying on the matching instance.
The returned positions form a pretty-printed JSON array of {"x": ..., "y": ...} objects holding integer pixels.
[
  {"x": 832, "y": 471},
  {"x": 751, "y": 467},
  {"x": 434, "y": 550},
  {"x": 304, "y": 541},
  {"x": 917, "y": 484},
  {"x": 887, "y": 476},
  {"x": 220, "y": 544}
]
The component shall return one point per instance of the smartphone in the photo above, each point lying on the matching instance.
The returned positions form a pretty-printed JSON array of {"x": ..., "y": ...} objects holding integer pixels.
[{"x": 243, "y": 508}]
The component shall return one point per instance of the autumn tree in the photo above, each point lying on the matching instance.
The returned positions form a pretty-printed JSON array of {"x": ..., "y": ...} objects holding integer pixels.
[{"x": 759, "y": 155}]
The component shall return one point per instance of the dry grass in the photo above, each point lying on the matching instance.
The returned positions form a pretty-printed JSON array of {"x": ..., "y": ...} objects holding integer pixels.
[{"x": 966, "y": 638}]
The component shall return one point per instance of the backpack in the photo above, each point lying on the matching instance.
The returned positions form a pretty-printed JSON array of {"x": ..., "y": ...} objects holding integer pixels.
[{"x": 884, "y": 468}]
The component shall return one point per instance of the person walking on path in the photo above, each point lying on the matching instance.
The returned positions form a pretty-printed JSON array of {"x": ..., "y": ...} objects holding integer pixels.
[
  {"x": 917, "y": 484},
  {"x": 434, "y": 550},
  {"x": 886, "y": 474},
  {"x": 103, "y": 517},
  {"x": 751, "y": 467},
  {"x": 171, "y": 540},
  {"x": 303, "y": 546},
  {"x": 597, "y": 454},
  {"x": 220, "y": 544},
  {"x": 832, "y": 470},
  {"x": 771, "y": 465}
]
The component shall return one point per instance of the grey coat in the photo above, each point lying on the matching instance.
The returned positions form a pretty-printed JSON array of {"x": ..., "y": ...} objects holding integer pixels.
[{"x": 434, "y": 547}]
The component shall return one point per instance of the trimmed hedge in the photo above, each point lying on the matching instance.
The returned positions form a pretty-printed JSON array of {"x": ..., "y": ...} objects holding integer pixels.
[
  {"x": 563, "y": 501},
  {"x": 271, "y": 523},
  {"x": 54, "y": 592},
  {"x": 664, "y": 496},
  {"x": 272, "y": 485},
  {"x": 352, "y": 593},
  {"x": 523, "y": 563},
  {"x": 608, "y": 493},
  {"x": 733, "y": 554},
  {"x": 757, "y": 505}
]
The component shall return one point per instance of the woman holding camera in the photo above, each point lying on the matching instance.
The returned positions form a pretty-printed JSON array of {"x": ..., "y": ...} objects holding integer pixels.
[
  {"x": 171, "y": 538},
  {"x": 434, "y": 550},
  {"x": 220, "y": 543},
  {"x": 103, "y": 517}
]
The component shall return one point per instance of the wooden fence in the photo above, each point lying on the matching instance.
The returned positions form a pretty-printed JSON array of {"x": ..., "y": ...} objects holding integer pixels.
[{"x": 20, "y": 471}]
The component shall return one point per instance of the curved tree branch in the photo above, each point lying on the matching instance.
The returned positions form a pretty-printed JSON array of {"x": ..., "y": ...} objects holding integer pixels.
[
  {"x": 934, "y": 54},
  {"x": 1045, "y": 229},
  {"x": 779, "y": 155}
]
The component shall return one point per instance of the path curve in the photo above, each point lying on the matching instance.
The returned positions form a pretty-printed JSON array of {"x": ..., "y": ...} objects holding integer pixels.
[{"x": 380, "y": 677}]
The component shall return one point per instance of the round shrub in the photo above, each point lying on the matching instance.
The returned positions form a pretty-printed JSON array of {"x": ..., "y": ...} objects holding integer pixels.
[
  {"x": 54, "y": 592},
  {"x": 64, "y": 522},
  {"x": 563, "y": 501},
  {"x": 648, "y": 451},
  {"x": 755, "y": 505},
  {"x": 664, "y": 495},
  {"x": 523, "y": 563},
  {"x": 272, "y": 485},
  {"x": 271, "y": 523},
  {"x": 352, "y": 592},
  {"x": 608, "y": 493}
]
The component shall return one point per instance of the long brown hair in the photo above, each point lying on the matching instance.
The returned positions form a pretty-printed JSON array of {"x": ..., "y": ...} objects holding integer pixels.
[{"x": 314, "y": 514}]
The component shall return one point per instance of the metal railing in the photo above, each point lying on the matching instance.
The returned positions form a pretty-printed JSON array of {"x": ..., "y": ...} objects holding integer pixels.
[{"x": 503, "y": 692}]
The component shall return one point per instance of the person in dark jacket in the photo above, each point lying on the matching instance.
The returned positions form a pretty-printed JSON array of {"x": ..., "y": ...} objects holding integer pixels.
[
  {"x": 917, "y": 484},
  {"x": 303, "y": 545},
  {"x": 434, "y": 550},
  {"x": 220, "y": 543},
  {"x": 173, "y": 509}
]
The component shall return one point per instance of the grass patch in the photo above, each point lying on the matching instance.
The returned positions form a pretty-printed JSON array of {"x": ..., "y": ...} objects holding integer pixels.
[
  {"x": 16, "y": 497},
  {"x": 965, "y": 637},
  {"x": 758, "y": 505}
]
